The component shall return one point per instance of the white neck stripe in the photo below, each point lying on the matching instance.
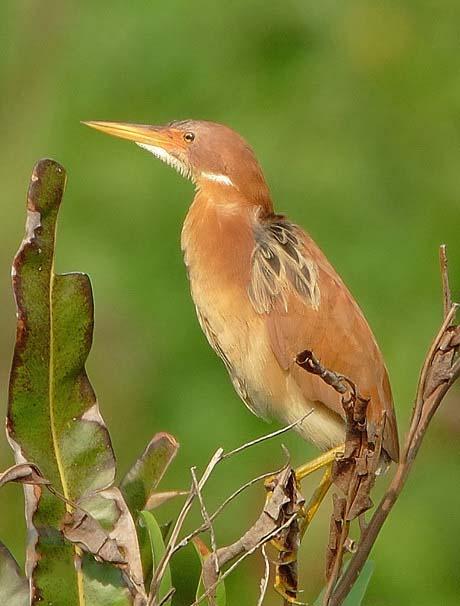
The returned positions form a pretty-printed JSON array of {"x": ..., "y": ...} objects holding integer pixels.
[{"x": 218, "y": 178}]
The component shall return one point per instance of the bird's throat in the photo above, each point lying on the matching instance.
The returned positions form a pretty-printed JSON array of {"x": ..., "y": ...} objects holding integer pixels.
[{"x": 218, "y": 239}]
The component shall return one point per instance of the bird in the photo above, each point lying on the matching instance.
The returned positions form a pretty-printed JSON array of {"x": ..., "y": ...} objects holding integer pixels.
[
  {"x": 264, "y": 292},
  {"x": 263, "y": 289}
]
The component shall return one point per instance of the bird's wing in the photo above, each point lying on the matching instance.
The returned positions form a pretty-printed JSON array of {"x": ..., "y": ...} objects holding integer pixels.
[{"x": 307, "y": 306}]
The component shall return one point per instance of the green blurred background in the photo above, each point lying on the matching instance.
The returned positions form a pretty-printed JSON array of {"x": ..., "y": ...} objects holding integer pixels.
[{"x": 353, "y": 109}]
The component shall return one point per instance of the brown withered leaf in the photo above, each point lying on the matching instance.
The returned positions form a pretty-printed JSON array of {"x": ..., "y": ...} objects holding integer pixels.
[
  {"x": 109, "y": 511},
  {"x": 283, "y": 503},
  {"x": 439, "y": 370},
  {"x": 455, "y": 339},
  {"x": 288, "y": 541},
  {"x": 337, "y": 517},
  {"x": 84, "y": 531},
  {"x": 24, "y": 473},
  {"x": 157, "y": 499}
]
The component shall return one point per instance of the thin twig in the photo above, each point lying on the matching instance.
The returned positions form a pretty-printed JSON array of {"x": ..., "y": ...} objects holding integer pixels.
[
  {"x": 186, "y": 540},
  {"x": 162, "y": 565},
  {"x": 207, "y": 521},
  {"x": 268, "y": 436},
  {"x": 173, "y": 545},
  {"x": 168, "y": 596},
  {"x": 265, "y": 579}
]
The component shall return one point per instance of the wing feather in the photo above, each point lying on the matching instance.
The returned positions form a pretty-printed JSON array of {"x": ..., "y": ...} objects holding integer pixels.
[{"x": 307, "y": 306}]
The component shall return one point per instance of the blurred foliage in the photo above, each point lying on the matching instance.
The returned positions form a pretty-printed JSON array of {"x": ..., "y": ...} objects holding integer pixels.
[{"x": 353, "y": 109}]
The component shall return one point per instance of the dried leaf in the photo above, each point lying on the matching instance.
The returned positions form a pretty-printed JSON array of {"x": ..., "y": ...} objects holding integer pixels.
[
  {"x": 83, "y": 530},
  {"x": 24, "y": 473},
  {"x": 336, "y": 523},
  {"x": 157, "y": 499},
  {"x": 111, "y": 513},
  {"x": 455, "y": 339}
]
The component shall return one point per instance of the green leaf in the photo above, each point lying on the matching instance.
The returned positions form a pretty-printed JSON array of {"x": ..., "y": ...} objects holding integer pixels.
[
  {"x": 102, "y": 584},
  {"x": 53, "y": 416},
  {"x": 204, "y": 553},
  {"x": 146, "y": 473},
  {"x": 356, "y": 595},
  {"x": 139, "y": 483},
  {"x": 14, "y": 589},
  {"x": 157, "y": 547}
]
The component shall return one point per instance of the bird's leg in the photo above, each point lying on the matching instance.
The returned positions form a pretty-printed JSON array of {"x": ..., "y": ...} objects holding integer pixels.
[
  {"x": 322, "y": 461},
  {"x": 316, "y": 499}
]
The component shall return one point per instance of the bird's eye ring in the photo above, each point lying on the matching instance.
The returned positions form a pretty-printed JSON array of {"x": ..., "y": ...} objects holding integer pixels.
[{"x": 189, "y": 137}]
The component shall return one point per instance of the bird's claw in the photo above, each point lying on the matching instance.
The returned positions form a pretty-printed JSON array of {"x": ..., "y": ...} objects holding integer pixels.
[{"x": 287, "y": 594}]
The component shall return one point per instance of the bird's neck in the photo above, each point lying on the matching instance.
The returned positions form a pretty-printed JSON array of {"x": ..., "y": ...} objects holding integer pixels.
[
  {"x": 243, "y": 187},
  {"x": 218, "y": 233}
]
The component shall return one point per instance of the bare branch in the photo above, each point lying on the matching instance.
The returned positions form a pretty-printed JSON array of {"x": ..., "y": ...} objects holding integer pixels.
[
  {"x": 173, "y": 544},
  {"x": 355, "y": 472}
]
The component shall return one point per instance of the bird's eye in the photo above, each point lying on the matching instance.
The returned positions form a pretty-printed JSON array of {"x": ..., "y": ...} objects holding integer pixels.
[{"x": 189, "y": 137}]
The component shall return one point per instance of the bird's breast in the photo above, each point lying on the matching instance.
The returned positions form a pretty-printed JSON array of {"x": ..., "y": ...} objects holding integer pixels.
[{"x": 217, "y": 249}]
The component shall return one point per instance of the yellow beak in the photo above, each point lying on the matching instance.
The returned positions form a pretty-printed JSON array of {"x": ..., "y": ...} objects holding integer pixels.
[{"x": 168, "y": 138}]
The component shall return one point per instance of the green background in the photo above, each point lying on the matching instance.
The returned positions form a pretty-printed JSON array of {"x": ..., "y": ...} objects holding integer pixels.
[{"x": 353, "y": 109}]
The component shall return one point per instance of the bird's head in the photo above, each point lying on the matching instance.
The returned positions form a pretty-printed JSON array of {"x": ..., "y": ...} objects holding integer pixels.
[{"x": 207, "y": 153}]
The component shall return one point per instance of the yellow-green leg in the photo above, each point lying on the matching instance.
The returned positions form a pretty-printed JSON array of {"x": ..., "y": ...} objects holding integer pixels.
[
  {"x": 316, "y": 499},
  {"x": 325, "y": 459}
]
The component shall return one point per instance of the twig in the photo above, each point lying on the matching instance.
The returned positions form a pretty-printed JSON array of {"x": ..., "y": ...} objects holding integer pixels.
[
  {"x": 162, "y": 565},
  {"x": 168, "y": 596},
  {"x": 265, "y": 579},
  {"x": 207, "y": 521},
  {"x": 186, "y": 540},
  {"x": 268, "y": 436},
  {"x": 173, "y": 545},
  {"x": 440, "y": 370}
]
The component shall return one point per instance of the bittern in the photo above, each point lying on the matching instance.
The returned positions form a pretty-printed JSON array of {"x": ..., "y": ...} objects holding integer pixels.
[{"x": 264, "y": 291}]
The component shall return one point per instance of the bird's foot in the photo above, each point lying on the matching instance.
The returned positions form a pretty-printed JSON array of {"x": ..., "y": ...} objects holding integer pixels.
[{"x": 289, "y": 594}]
